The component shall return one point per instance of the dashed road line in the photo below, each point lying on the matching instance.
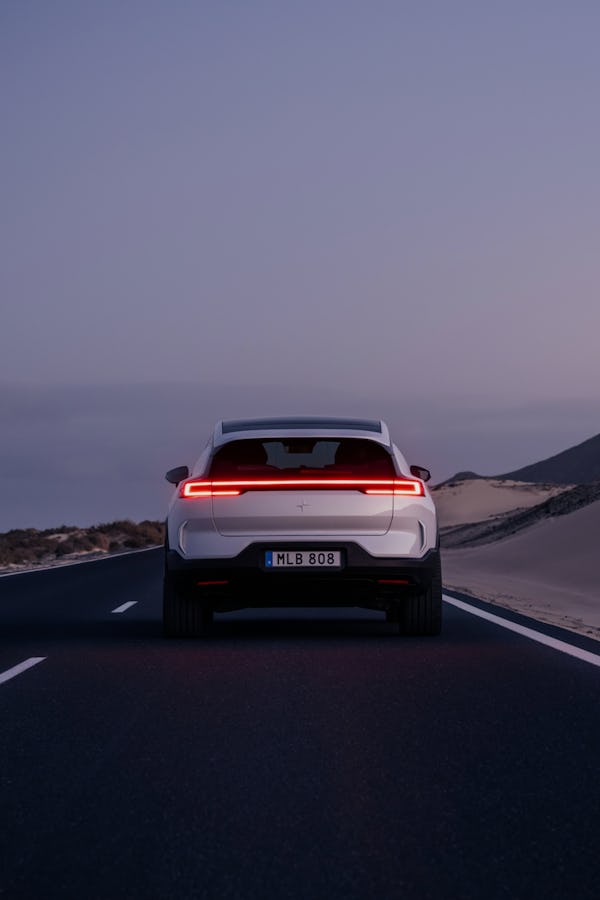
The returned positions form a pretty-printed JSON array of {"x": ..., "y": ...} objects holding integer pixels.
[
  {"x": 20, "y": 667},
  {"x": 124, "y": 606},
  {"x": 530, "y": 633}
]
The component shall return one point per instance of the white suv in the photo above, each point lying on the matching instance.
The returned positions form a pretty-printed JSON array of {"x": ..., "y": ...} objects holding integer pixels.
[{"x": 301, "y": 511}]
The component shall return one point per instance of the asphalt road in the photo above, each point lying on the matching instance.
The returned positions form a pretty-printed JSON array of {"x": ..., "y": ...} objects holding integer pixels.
[{"x": 295, "y": 754}]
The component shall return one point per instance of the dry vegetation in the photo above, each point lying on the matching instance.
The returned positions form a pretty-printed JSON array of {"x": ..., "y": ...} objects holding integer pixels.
[{"x": 27, "y": 547}]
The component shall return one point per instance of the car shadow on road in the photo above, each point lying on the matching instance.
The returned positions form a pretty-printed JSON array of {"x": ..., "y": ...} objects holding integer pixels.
[{"x": 350, "y": 625}]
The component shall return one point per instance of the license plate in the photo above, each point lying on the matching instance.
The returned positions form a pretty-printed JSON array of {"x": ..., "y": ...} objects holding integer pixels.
[{"x": 303, "y": 559}]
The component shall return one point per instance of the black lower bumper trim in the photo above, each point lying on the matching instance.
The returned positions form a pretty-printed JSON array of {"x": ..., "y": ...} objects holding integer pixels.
[{"x": 244, "y": 581}]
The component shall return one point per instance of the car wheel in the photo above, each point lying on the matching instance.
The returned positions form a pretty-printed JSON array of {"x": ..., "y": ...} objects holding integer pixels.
[
  {"x": 183, "y": 615},
  {"x": 422, "y": 613}
]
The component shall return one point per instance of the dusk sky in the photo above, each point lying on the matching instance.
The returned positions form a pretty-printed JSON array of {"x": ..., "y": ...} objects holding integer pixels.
[{"x": 244, "y": 208}]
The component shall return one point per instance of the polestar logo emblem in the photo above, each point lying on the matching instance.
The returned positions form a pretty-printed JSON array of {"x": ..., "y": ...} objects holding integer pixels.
[{"x": 302, "y": 505}]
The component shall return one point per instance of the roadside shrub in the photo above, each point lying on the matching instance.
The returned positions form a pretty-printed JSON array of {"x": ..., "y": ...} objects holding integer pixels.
[{"x": 27, "y": 546}]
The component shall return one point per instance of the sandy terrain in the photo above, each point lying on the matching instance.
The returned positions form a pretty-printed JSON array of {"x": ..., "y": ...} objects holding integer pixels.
[
  {"x": 478, "y": 499},
  {"x": 549, "y": 571}
]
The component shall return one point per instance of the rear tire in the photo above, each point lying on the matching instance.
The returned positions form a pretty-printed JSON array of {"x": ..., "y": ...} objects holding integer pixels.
[
  {"x": 184, "y": 616},
  {"x": 421, "y": 614}
]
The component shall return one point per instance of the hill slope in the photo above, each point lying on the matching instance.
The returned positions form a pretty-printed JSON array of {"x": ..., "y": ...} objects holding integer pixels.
[
  {"x": 548, "y": 571},
  {"x": 483, "y": 499},
  {"x": 577, "y": 465},
  {"x": 511, "y": 522}
]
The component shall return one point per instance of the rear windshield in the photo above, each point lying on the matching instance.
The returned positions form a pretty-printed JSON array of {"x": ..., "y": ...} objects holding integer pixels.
[{"x": 303, "y": 456}]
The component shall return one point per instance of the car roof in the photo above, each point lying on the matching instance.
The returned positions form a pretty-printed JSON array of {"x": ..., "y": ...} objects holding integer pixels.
[{"x": 227, "y": 430}]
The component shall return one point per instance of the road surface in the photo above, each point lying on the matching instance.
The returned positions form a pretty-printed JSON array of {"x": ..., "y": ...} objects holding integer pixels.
[{"x": 294, "y": 754}]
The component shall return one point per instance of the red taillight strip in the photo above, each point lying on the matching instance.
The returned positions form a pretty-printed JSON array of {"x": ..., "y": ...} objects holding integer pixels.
[
  {"x": 404, "y": 487},
  {"x": 196, "y": 489}
]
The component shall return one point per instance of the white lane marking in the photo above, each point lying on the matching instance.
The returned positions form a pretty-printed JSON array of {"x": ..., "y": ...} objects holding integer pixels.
[
  {"x": 562, "y": 646},
  {"x": 124, "y": 606},
  {"x": 20, "y": 667}
]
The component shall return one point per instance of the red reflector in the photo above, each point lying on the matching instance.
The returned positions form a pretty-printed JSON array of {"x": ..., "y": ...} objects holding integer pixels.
[
  {"x": 209, "y": 583},
  {"x": 393, "y": 580}
]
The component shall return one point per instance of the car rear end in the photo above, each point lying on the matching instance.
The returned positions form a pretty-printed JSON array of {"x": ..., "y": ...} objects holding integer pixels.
[{"x": 300, "y": 513}]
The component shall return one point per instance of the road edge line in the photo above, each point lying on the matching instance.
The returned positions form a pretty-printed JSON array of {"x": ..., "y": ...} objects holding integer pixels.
[{"x": 533, "y": 635}]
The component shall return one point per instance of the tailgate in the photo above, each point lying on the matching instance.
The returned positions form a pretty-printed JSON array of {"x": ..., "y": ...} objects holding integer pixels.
[{"x": 296, "y": 513}]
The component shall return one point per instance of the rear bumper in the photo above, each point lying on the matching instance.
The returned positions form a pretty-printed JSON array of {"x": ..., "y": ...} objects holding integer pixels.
[{"x": 244, "y": 581}]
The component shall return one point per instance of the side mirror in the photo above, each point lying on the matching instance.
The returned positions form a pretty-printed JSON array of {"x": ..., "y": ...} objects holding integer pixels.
[
  {"x": 174, "y": 476},
  {"x": 420, "y": 472}
]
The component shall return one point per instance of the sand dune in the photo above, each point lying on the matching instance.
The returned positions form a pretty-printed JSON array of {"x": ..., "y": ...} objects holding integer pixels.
[
  {"x": 550, "y": 571},
  {"x": 475, "y": 500}
]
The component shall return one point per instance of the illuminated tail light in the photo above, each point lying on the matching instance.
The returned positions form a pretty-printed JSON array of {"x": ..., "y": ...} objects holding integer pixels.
[
  {"x": 389, "y": 487},
  {"x": 196, "y": 489},
  {"x": 400, "y": 487}
]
